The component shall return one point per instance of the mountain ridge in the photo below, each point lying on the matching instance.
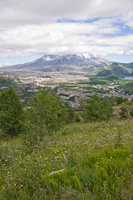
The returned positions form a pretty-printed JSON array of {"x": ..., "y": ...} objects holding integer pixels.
[
  {"x": 69, "y": 59},
  {"x": 87, "y": 63}
]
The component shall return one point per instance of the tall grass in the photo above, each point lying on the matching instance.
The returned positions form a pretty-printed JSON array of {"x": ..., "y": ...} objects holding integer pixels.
[{"x": 81, "y": 161}]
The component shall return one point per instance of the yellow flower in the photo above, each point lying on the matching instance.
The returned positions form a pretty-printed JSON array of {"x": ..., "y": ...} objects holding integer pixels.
[
  {"x": 11, "y": 178},
  {"x": 15, "y": 184},
  {"x": 21, "y": 185},
  {"x": 97, "y": 162},
  {"x": 3, "y": 188},
  {"x": 110, "y": 157}
]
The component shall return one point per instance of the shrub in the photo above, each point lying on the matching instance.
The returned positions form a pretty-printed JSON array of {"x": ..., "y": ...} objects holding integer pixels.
[{"x": 124, "y": 112}]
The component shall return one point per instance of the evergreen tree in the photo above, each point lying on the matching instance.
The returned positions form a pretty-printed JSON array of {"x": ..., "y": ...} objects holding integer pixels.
[{"x": 11, "y": 112}]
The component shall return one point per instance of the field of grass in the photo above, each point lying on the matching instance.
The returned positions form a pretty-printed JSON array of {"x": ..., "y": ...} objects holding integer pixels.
[{"x": 81, "y": 161}]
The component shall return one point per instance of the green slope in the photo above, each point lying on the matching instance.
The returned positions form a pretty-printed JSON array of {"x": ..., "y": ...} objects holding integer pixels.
[{"x": 92, "y": 161}]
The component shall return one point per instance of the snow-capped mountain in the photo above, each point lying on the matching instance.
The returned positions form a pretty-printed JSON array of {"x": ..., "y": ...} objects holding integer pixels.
[{"x": 66, "y": 60}]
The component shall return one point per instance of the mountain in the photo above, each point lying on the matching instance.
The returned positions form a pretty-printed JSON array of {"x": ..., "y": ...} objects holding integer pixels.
[
  {"x": 65, "y": 60},
  {"x": 85, "y": 63}
]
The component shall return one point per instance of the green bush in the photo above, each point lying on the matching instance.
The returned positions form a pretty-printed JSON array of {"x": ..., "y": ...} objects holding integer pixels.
[
  {"x": 97, "y": 109},
  {"x": 124, "y": 112}
]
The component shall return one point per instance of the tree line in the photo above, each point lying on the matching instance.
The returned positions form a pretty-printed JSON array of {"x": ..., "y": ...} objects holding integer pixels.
[{"x": 46, "y": 112}]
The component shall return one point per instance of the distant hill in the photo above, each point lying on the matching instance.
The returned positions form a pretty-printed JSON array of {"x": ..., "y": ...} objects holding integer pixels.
[
  {"x": 115, "y": 71},
  {"x": 121, "y": 69}
]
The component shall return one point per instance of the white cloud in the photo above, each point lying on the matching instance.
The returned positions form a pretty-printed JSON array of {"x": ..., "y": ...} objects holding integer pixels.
[
  {"x": 16, "y": 12},
  {"x": 64, "y": 38},
  {"x": 128, "y": 19},
  {"x": 30, "y": 28}
]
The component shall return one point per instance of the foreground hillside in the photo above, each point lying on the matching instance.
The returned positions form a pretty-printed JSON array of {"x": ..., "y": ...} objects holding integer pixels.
[{"x": 81, "y": 161}]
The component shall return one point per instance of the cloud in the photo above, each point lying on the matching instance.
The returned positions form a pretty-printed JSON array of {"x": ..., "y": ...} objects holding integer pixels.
[
  {"x": 64, "y": 38},
  {"x": 30, "y": 27},
  {"x": 128, "y": 19},
  {"x": 45, "y": 11}
]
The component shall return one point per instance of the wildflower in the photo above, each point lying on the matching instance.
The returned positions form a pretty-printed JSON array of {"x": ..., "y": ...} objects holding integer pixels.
[
  {"x": 110, "y": 157},
  {"x": 21, "y": 186},
  {"x": 3, "y": 188},
  {"x": 130, "y": 155},
  {"x": 97, "y": 162},
  {"x": 15, "y": 184},
  {"x": 11, "y": 178}
]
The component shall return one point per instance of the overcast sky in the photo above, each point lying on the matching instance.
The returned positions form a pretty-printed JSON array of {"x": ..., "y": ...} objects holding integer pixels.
[{"x": 31, "y": 28}]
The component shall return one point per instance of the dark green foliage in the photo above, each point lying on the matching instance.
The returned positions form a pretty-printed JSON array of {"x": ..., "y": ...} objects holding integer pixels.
[
  {"x": 82, "y": 104},
  {"x": 47, "y": 113},
  {"x": 11, "y": 112},
  {"x": 124, "y": 112},
  {"x": 97, "y": 109},
  {"x": 112, "y": 101},
  {"x": 72, "y": 98},
  {"x": 70, "y": 113},
  {"x": 120, "y": 100},
  {"x": 131, "y": 112},
  {"x": 46, "y": 76}
]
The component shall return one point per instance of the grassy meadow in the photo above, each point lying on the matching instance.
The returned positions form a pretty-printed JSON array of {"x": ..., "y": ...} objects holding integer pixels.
[{"x": 81, "y": 161}]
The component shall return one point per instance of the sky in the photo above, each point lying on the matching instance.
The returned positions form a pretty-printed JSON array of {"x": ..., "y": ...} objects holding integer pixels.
[{"x": 30, "y": 29}]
